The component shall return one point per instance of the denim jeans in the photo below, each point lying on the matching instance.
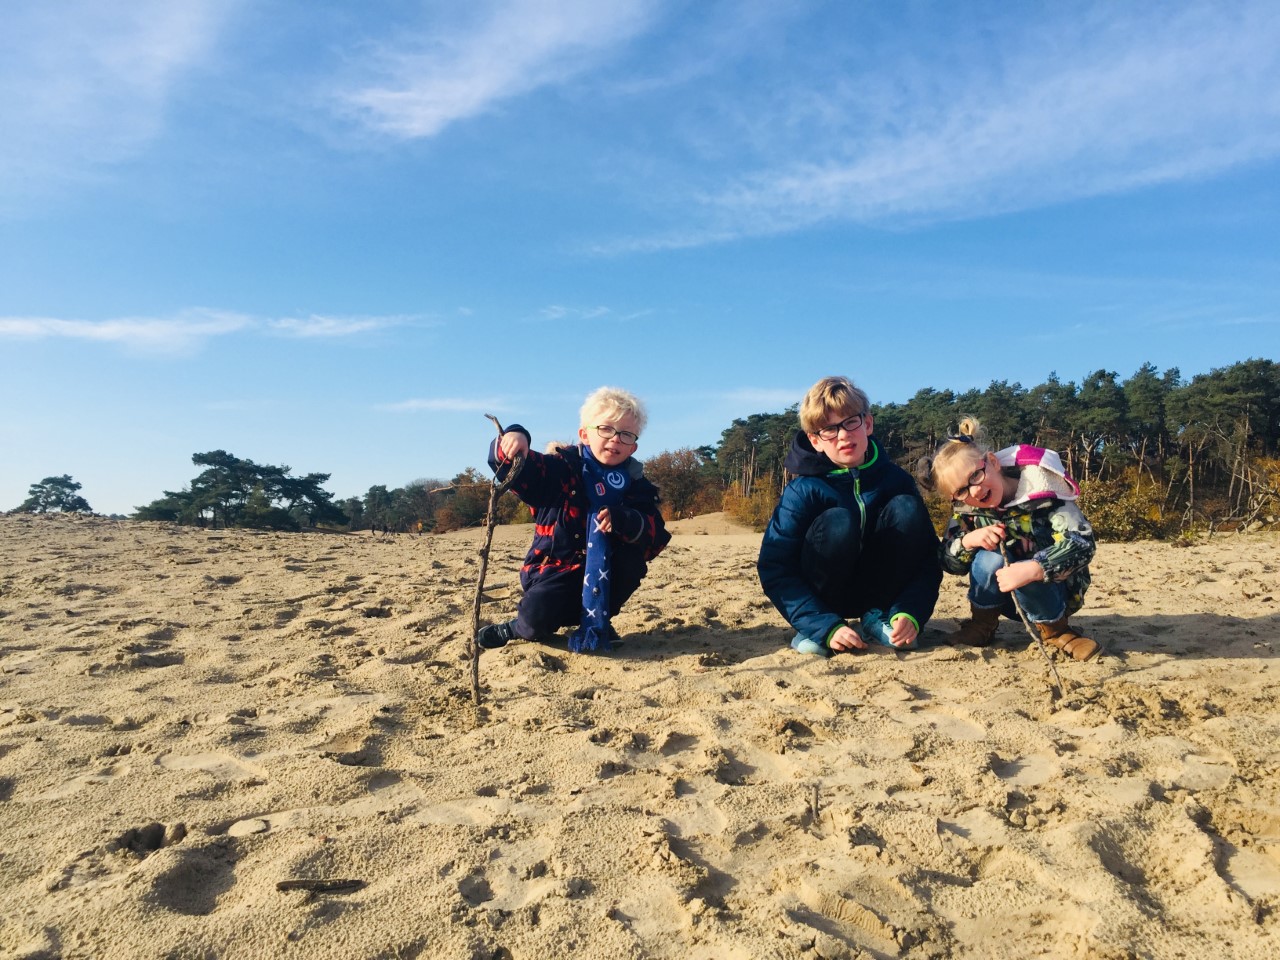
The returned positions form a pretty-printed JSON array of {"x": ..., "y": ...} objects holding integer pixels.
[
  {"x": 1042, "y": 602},
  {"x": 852, "y": 578}
]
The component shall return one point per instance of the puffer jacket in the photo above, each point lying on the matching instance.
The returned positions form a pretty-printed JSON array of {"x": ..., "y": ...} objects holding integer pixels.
[{"x": 820, "y": 486}]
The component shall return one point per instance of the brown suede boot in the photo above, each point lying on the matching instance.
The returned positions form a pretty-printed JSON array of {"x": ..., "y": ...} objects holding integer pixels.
[
  {"x": 1059, "y": 634},
  {"x": 979, "y": 630}
]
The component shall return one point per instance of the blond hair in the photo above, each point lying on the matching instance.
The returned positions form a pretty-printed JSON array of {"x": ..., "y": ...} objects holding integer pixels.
[
  {"x": 612, "y": 403},
  {"x": 831, "y": 396},
  {"x": 967, "y": 445}
]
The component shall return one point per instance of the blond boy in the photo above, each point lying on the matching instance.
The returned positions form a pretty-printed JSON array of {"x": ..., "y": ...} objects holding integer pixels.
[{"x": 560, "y": 489}]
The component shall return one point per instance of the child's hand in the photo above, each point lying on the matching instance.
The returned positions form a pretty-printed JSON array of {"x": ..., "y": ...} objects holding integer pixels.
[
  {"x": 604, "y": 521},
  {"x": 1019, "y": 574},
  {"x": 513, "y": 444},
  {"x": 903, "y": 632},
  {"x": 984, "y": 538},
  {"x": 846, "y": 638}
]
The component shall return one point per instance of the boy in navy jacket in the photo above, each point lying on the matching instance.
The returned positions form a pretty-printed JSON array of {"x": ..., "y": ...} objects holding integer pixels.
[
  {"x": 850, "y": 537},
  {"x": 554, "y": 487}
]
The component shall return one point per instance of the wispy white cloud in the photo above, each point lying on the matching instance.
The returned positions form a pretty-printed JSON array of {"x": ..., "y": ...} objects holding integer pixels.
[
  {"x": 179, "y": 334},
  {"x": 559, "y": 313},
  {"x": 443, "y": 405},
  {"x": 316, "y": 326},
  {"x": 84, "y": 83},
  {"x": 1059, "y": 109},
  {"x": 188, "y": 330},
  {"x": 451, "y": 71}
]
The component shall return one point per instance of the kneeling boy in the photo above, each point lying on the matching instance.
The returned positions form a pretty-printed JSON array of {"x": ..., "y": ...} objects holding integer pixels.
[
  {"x": 561, "y": 489},
  {"x": 851, "y": 536}
]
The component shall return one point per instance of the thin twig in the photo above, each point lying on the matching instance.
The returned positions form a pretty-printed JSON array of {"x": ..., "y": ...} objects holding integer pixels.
[
  {"x": 1035, "y": 634},
  {"x": 454, "y": 487},
  {"x": 495, "y": 491}
]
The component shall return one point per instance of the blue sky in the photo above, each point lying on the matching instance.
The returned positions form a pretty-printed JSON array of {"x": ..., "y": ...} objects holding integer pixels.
[{"x": 333, "y": 235}]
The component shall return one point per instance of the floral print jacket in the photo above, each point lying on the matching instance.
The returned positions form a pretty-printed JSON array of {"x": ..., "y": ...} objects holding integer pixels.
[{"x": 1042, "y": 523}]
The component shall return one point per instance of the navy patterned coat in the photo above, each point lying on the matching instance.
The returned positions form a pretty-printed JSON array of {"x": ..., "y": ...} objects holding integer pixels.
[{"x": 551, "y": 484}]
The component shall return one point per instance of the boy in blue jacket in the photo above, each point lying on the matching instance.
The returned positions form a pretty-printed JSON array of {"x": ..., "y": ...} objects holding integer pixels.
[
  {"x": 558, "y": 489},
  {"x": 850, "y": 537}
]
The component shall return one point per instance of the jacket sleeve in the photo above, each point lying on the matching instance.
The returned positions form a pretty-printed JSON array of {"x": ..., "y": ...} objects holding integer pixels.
[
  {"x": 779, "y": 564},
  {"x": 955, "y": 558},
  {"x": 1073, "y": 543},
  {"x": 541, "y": 480}
]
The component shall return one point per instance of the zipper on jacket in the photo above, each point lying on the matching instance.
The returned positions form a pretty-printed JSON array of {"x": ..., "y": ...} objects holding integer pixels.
[{"x": 862, "y": 507}]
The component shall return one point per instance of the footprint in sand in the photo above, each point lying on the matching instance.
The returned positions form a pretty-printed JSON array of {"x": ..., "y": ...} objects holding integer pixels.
[
  {"x": 675, "y": 742},
  {"x": 221, "y": 765},
  {"x": 76, "y": 784},
  {"x": 354, "y": 748},
  {"x": 109, "y": 862},
  {"x": 950, "y": 725},
  {"x": 1027, "y": 771},
  {"x": 387, "y": 792},
  {"x": 842, "y": 923}
]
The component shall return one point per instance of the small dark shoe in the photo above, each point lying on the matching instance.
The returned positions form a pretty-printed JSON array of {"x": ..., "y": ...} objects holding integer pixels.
[{"x": 495, "y": 635}]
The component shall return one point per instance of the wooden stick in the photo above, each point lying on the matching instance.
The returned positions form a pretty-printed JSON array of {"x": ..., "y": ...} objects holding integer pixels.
[
  {"x": 495, "y": 491},
  {"x": 1035, "y": 634}
]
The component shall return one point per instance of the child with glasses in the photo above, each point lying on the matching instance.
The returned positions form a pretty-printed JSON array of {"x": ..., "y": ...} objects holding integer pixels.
[
  {"x": 850, "y": 537},
  {"x": 1018, "y": 532},
  {"x": 560, "y": 490}
]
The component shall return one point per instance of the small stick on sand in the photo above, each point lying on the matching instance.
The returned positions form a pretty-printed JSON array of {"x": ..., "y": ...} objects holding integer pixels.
[
  {"x": 1035, "y": 634},
  {"x": 495, "y": 492},
  {"x": 315, "y": 886}
]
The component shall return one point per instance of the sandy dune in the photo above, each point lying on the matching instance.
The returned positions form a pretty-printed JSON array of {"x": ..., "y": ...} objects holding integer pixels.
[{"x": 189, "y": 718}]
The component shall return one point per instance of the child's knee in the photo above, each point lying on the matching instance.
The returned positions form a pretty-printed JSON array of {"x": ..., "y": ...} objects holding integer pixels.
[
  {"x": 986, "y": 563},
  {"x": 906, "y": 513},
  {"x": 832, "y": 532}
]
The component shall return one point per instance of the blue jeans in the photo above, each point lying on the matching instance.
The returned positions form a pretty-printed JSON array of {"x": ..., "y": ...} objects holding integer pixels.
[
  {"x": 1042, "y": 602},
  {"x": 851, "y": 577}
]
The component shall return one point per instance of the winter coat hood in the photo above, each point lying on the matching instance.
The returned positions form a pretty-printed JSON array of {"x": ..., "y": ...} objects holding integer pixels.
[{"x": 804, "y": 461}]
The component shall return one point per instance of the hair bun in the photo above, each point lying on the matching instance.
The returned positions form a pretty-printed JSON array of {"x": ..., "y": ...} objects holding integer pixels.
[{"x": 924, "y": 472}]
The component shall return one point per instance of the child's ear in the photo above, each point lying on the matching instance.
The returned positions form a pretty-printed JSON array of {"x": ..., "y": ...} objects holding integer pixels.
[{"x": 582, "y": 435}]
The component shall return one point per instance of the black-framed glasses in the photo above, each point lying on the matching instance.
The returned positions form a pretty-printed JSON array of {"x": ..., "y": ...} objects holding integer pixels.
[
  {"x": 832, "y": 430},
  {"x": 608, "y": 431},
  {"x": 975, "y": 480}
]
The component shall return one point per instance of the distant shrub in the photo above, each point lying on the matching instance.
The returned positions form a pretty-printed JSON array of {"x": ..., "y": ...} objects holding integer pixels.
[
  {"x": 756, "y": 509},
  {"x": 511, "y": 509},
  {"x": 1120, "y": 509},
  {"x": 939, "y": 510}
]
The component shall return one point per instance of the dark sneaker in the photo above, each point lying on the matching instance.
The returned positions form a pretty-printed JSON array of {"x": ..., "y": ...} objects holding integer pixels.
[{"x": 496, "y": 635}]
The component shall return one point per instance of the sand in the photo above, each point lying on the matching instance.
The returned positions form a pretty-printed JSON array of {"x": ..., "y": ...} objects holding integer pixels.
[{"x": 190, "y": 717}]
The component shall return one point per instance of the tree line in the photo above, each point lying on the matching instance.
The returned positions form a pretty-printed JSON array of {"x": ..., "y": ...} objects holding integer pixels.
[
  {"x": 232, "y": 492},
  {"x": 1154, "y": 454}
]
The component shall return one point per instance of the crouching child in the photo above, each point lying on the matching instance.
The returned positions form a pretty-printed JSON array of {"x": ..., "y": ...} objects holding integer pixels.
[
  {"x": 596, "y": 524},
  {"x": 851, "y": 537},
  {"x": 1018, "y": 533}
]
